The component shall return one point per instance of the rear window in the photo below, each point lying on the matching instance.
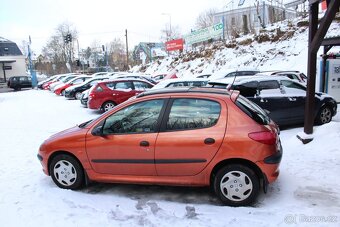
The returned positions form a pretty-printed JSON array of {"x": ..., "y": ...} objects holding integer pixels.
[{"x": 252, "y": 110}]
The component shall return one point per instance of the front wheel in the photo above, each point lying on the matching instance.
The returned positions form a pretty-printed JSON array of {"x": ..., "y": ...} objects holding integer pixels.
[
  {"x": 236, "y": 185},
  {"x": 324, "y": 116},
  {"x": 66, "y": 172}
]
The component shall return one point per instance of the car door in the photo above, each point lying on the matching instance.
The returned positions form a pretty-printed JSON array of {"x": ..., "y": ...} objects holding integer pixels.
[
  {"x": 296, "y": 95},
  {"x": 127, "y": 143},
  {"x": 191, "y": 133},
  {"x": 271, "y": 98}
]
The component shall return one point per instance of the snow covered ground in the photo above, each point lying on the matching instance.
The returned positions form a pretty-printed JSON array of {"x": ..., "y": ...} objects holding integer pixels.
[{"x": 307, "y": 192}]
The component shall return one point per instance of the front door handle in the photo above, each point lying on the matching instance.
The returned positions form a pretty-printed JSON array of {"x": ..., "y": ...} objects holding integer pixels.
[
  {"x": 209, "y": 141},
  {"x": 144, "y": 144}
]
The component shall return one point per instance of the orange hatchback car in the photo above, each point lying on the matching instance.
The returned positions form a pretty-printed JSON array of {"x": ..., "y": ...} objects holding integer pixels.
[{"x": 189, "y": 136}]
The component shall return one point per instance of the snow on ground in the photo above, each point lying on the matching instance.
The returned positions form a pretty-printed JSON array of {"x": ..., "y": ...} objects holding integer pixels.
[{"x": 307, "y": 192}]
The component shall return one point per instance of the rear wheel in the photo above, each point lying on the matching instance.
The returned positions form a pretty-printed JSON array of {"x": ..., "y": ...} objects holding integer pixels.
[
  {"x": 236, "y": 185},
  {"x": 324, "y": 116},
  {"x": 67, "y": 172},
  {"x": 108, "y": 106},
  {"x": 78, "y": 95}
]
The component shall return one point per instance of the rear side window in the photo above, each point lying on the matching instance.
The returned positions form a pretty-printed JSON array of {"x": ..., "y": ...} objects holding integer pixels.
[
  {"x": 141, "y": 86},
  {"x": 126, "y": 85},
  {"x": 187, "y": 114},
  {"x": 252, "y": 110}
]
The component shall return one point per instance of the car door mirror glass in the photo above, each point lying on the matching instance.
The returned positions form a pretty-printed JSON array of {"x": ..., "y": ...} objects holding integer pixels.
[{"x": 98, "y": 131}]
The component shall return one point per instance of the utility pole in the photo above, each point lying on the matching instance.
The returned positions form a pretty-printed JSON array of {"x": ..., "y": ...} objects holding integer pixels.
[{"x": 127, "y": 49}]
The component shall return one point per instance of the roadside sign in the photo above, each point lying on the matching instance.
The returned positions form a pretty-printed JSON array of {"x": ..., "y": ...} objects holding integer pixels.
[{"x": 7, "y": 67}]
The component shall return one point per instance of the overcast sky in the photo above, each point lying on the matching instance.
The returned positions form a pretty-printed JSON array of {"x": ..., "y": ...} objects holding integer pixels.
[{"x": 101, "y": 20}]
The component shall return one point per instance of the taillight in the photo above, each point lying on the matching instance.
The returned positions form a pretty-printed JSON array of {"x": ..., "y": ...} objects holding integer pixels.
[{"x": 264, "y": 137}]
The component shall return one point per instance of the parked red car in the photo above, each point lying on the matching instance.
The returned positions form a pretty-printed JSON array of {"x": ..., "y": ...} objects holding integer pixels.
[
  {"x": 46, "y": 86},
  {"x": 60, "y": 89},
  {"x": 106, "y": 95}
]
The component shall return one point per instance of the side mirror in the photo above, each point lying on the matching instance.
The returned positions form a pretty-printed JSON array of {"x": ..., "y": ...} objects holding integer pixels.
[{"x": 98, "y": 131}]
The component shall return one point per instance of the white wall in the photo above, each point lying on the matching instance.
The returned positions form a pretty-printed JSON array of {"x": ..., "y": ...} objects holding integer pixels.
[{"x": 18, "y": 67}]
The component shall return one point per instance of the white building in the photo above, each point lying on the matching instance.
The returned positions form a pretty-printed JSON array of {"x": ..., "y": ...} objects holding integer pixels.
[
  {"x": 12, "y": 62},
  {"x": 252, "y": 15}
]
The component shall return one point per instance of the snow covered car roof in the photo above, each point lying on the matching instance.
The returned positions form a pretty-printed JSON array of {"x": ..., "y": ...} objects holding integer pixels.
[{"x": 181, "y": 82}]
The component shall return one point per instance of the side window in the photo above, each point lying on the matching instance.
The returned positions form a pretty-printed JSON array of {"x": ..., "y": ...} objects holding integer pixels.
[
  {"x": 77, "y": 81},
  {"x": 248, "y": 89},
  {"x": 198, "y": 83},
  {"x": 187, "y": 114},
  {"x": 293, "y": 88},
  {"x": 110, "y": 85},
  {"x": 124, "y": 86},
  {"x": 94, "y": 82},
  {"x": 137, "y": 118},
  {"x": 231, "y": 74},
  {"x": 269, "y": 88},
  {"x": 141, "y": 86}
]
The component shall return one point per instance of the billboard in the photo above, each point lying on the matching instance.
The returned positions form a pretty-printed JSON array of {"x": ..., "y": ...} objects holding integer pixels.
[
  {"x": 200, "y": 35},
  {"x": 176, "y": 44}
]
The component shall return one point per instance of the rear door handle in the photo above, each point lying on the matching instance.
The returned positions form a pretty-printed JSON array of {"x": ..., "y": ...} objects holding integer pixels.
[
  {"x": 144, "y": 144},
  {"x": 209, "y": 141}
]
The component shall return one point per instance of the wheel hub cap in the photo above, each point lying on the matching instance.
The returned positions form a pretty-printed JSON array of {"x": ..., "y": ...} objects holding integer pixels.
[{"x": 236, "y": 186}]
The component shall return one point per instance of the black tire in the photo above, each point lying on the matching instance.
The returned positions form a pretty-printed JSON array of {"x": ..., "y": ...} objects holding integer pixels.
[
  {"x": 324, "y": 115},
  {"x": 236, "y": 185},
  {"x": 77, "y": 94},
  {"x": 108, "y": 106},
  {"x": 67, "y": 172}
]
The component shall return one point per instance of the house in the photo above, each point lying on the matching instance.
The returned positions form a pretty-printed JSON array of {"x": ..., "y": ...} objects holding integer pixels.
[
  {"x": 147, "y": 52},
  {"x": 12, "y": 61},
  {"x": 252, "y": 15}
]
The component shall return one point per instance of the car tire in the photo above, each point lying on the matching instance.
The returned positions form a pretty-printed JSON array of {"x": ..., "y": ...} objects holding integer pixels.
[
  {"x": 67, "y": 172},
  {"x": 108, "y": 106},
  {"x": 324, "y": 115},
  {"x": 236, "y": 185},
  {"x": 78, "y": 95}
]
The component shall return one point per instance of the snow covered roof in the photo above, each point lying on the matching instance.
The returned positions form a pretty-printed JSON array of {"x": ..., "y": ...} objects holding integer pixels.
[
  {"x": 8, "y": 48},
  {"x": 237, "y": 4}
]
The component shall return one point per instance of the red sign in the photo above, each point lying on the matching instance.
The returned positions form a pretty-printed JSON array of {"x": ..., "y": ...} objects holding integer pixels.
[{"x": 176, "y": 44}]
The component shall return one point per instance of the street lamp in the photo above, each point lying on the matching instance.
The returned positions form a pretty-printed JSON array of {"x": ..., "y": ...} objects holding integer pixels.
[{"x": 168, "y": 14}]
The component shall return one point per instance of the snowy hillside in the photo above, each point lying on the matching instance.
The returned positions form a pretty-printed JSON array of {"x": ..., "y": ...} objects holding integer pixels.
[{"x": 283, "y": 46}]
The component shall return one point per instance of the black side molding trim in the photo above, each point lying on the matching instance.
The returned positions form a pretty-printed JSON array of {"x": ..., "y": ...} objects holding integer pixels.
[{"x": 148, "y": 161}]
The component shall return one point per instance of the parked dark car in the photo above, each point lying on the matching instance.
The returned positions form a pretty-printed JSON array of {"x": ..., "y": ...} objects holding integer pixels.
[
  {"x": 284, "y": 99},
  {"x": 76, "y": 91},
  {"x": 18, "y": 82}
]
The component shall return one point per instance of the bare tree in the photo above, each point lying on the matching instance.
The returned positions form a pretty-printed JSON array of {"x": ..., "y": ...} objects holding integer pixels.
[
  {"x": 116, "y": 51},
  {"x": 206, "y": 18},
  {"x": 57, "y": 50},
  {"x": 167, "y": 34}
]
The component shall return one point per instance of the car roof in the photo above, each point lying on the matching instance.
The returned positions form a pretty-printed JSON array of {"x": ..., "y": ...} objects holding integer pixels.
[
  {"x": 186, "y": 90},
  {"x": 165, "y": 82},
  {"x": 122, "y": 79},
  {"x": 244, "y": 79}
]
